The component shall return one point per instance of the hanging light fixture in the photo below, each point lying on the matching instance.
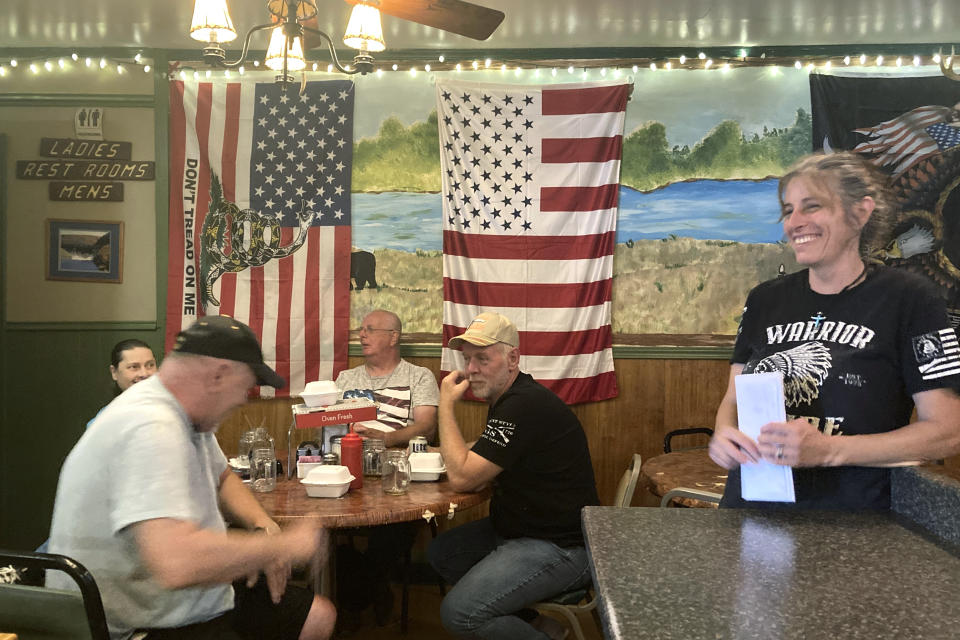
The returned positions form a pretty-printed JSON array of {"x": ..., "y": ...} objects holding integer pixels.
[
  {"x": 283, "y": 52},
  {"x": 212, "y": 25},
  {"x": 363, "y": 30}
]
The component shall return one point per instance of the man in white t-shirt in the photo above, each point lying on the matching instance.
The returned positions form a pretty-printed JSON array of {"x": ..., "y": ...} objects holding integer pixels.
[
  {"x": 406, "y": 395},
  {"x": 144, "y": 497},
  {"x": 407, "y": 398}
]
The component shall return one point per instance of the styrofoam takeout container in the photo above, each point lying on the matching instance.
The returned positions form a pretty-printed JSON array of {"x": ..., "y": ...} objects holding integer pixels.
[
  {"x": 426, "y": 466},
  {"x": 327, "y": 481},
  {"x": 320, "y": 393},
  {"x": 427, "y": 476},
  {"x": 303, "y": 468},
  {"x": 425, "y": 460}
]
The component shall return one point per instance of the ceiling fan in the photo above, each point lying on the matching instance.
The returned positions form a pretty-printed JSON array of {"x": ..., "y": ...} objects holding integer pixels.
[
  {"x": 456, "y": 16},
  {"x": 294, "y": 29}
]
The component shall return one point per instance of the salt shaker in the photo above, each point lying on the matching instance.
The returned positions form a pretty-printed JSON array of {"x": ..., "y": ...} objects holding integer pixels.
[{"x": 372, "y": 453}]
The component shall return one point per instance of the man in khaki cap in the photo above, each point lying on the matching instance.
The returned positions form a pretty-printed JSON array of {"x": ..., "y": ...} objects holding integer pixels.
[{"x": 534, "y": 453}]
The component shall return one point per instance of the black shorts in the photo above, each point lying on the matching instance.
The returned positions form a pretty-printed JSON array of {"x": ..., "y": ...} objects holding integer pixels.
[{"x": 254, "y": 617}]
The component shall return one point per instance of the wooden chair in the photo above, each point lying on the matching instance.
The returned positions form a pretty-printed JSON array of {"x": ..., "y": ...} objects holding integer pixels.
[
  {"x": 583, "y": 601},
  {"x": 34, "y": 612},
  {"x": 667, "y": 439},
  {"x": 687, "y": 492}
]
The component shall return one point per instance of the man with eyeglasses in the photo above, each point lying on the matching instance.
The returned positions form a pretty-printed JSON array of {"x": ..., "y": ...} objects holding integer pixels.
[{"x": 406, "y": 395}]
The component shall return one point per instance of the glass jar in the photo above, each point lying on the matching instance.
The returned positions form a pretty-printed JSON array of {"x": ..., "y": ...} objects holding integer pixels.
[
  {"x": 372, "y": 451},
  {"x": 263, "y": 462},
  {"x": 396, "y": 472}
]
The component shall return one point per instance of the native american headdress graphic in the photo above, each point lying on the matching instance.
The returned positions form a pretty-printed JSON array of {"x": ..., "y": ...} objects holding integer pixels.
[{"x": 804, "y": 369}]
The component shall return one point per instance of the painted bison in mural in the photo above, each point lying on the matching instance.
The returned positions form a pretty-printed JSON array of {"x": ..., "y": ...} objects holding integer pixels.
[{"x": 363, "y": 270}]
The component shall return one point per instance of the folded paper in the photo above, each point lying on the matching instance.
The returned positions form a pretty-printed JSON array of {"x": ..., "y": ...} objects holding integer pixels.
[{"x": 759, "y": 401}]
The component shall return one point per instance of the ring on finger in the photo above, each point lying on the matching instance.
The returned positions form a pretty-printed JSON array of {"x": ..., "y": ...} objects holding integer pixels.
[{"x": 779, "y": 452}]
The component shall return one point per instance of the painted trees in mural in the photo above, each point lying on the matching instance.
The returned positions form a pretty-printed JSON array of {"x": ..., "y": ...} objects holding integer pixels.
[{"x": 698, "y": 220}]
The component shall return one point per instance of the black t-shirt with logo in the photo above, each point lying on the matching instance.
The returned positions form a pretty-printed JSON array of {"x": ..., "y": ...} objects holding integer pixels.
[
  {"x": 547, "y": 475},
  {"x": 851, "y": 362}
]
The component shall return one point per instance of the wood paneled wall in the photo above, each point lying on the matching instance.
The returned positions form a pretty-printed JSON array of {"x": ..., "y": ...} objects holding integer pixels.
[{"x": 656, "y": 396}]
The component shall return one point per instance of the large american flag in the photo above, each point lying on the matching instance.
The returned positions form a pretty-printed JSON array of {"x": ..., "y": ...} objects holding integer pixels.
[
  {"x": 260, "y": 190},
  {"x": 530, "y": 184}
]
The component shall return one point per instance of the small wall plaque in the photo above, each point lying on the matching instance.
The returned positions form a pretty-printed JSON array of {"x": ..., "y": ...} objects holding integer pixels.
[
  {"x": 69, "y": 169},
  {"x": 86, "y": 191},
  {"x": 88, "y": 123},
  {"x": 89, "y": 149}
]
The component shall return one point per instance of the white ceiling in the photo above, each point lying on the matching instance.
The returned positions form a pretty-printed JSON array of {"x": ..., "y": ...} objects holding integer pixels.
[{"x": 528, "y": 24}]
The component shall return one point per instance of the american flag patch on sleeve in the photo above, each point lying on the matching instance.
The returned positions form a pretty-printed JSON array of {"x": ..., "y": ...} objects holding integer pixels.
[{"x": 937, "y": 354}]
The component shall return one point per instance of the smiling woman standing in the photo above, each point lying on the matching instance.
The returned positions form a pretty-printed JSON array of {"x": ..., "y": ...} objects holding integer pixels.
[{"x": 859, "y": 345}]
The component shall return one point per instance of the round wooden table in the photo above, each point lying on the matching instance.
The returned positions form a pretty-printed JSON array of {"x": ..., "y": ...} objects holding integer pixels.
[
  {"x": 692, "y": 469},
  {"x": 368, "y": 506}
]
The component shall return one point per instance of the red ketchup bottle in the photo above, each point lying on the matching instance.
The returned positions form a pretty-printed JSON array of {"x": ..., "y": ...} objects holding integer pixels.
[{"x": 351, "y": 457}]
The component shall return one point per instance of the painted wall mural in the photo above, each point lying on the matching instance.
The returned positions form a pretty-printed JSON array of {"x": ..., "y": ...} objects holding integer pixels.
[{"x": 697, "y": 226}]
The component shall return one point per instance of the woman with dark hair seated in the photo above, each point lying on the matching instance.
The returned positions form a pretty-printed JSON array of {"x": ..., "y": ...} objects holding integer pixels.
[{"x": 131, "y": 361}]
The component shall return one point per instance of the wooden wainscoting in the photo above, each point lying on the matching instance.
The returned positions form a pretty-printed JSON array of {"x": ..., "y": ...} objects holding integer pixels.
[{"x": 656, "y": 396}]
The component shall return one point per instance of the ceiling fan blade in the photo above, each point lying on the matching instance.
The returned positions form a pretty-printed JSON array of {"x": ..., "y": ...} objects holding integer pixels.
[{"x": 456, "y": 16}]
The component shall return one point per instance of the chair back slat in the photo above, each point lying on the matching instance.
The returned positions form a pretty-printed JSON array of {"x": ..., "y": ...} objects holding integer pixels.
[{"x": 628, "y": 483}]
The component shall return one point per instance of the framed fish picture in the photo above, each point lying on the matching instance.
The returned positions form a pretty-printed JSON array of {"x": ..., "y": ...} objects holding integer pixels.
[{"x": 84, "y": 250}]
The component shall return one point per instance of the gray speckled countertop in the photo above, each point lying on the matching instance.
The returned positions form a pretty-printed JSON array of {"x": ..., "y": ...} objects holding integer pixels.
[
  {"x": 702, "y": 574},
  {"x": 930, "y": 497}
]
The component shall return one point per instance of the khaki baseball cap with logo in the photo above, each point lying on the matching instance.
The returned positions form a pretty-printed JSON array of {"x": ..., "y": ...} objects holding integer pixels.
[{"x": 486, "y": 329}]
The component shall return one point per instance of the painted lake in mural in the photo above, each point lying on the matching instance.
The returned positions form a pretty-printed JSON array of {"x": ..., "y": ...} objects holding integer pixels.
[{"x": 742, "y": 210}]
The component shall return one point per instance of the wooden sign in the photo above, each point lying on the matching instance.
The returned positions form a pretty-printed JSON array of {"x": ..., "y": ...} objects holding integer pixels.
[
  {"x": 86, "y": 191},
  {"x": 85, "y": 169},
  {"x": 90, "y": 149},
  {"x": 93, "y": 167},
  {"x": 305, "y": 418}
]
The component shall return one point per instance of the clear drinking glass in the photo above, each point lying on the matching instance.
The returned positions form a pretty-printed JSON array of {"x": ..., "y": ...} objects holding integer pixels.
[
  {"x": 395, "y": 469},
  {"x": 263, "y": 470},
  {"x": 245, "y": 448}
]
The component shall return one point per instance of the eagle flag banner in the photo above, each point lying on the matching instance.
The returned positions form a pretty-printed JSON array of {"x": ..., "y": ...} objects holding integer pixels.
[
  {"x": 530, "y": 179},
  {"x": 260, "y": 218},
  {"x": 910, "y": 128}
]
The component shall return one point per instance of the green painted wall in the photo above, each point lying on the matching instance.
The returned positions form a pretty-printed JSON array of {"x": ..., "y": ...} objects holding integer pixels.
[
  {"x": 54, "y": 376},
  {"x": 54, "y": 381}
]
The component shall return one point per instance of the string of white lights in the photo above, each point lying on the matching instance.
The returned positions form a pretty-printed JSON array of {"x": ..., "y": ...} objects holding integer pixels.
[
  {"x": 581, "y": 67},
  {"x": 36, "y": 65}
]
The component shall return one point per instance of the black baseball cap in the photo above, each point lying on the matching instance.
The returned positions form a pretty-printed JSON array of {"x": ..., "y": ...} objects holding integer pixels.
[{"x": 224, "y": 337}]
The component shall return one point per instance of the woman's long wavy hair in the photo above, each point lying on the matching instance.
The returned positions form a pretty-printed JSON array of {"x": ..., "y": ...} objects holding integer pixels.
[{"x": 850, "y": 178}]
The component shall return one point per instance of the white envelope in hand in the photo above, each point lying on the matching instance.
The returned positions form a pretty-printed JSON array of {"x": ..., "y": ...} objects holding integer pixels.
[{"x": 759, "y": 401}]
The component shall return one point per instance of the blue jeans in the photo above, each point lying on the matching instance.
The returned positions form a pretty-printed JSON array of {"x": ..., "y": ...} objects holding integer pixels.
[{"x": 494, "y": 578}]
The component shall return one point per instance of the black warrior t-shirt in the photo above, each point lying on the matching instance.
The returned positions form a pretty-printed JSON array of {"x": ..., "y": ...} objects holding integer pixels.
[
  {"x": 851, "y": 362},
  {"x": 547, "y": 475}
]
